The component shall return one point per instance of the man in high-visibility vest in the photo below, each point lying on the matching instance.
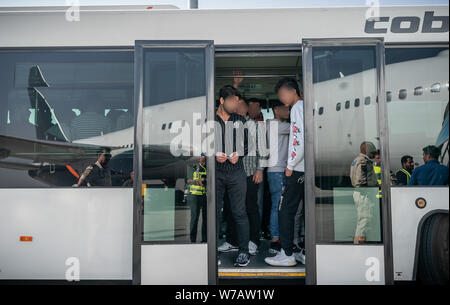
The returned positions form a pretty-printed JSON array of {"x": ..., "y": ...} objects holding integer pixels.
[
  {"x": 403, "y": 175},
  {"x": 377, "y": 170},
  {"x": 196, "y": 198}
]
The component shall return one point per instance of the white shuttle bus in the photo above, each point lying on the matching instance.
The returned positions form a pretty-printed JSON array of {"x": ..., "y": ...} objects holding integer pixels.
[{"x": 137, "y": 79}]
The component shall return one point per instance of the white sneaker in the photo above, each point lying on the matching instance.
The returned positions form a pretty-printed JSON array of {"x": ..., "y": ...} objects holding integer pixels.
[
  {"x": 252, "y": 248},
  {"x": 281, "y": 260},
  {"x": 226, "y": 247},
  {"x": 300, "y": 256}
]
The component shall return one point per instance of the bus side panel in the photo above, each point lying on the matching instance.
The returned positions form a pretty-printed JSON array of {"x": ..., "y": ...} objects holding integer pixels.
[
  {"x": 46, "y": 233},
  {"x": 406, "y": 217}
]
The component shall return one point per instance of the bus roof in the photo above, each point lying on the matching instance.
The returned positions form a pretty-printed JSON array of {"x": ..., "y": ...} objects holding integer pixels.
[{"x": 122, "y": 25}]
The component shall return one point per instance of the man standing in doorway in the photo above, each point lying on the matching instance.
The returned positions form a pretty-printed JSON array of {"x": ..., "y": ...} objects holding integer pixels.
[
  {"x": 278, "y": 156},
  {"x": 289, "y": 94},
  {"x": 230, "y": 174}
]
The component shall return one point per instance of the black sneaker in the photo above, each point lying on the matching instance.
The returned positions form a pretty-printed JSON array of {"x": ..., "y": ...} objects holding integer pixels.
[
  {"x": 242, "y": 260},
  {"x": 275, "y": 247}
]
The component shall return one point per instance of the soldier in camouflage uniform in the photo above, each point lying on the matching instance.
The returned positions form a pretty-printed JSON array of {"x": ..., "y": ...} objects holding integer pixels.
[{"x": 363, "y": 177}]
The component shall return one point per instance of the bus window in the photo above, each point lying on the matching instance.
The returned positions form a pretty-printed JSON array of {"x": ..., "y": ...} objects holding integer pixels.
[
  {"x": 173, "y": 169},
  {"x": 347, "y": 201},
  {"x": 416, "y": 119},
  {"x": 78, "y": 98}
]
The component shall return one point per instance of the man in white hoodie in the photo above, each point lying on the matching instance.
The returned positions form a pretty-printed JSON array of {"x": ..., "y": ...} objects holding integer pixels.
[{"x": 289, "y": 94}]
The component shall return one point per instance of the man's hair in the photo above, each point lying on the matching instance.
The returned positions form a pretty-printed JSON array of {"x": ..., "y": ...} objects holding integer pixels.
[
  {"x": 288, "y": 82},
  {"x": 433, "y": 151},
  {"x": 405, "y": 158},
  {"x": 254, "y": 100},
  {"x": 276, "y": 104},
  {"x": 377, "y": 153},
  {"x": 103, "y": 150},
  {"x": 227, "y": 91}
]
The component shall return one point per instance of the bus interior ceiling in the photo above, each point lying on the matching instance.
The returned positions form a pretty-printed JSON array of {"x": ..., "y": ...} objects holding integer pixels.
[{"x": 260, "y": 72}]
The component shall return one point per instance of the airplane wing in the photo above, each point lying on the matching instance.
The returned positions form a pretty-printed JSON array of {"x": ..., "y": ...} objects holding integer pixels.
[
  {"x": 46, "y": 151},
  {"x": 62, "y": 153}
]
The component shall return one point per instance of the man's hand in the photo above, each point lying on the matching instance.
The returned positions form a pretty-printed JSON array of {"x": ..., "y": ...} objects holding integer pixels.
[
  {"x": 257, "y": 177},
  {"x": 234, "y": 159},
  {"x": 237, "y": 80},
  {"x": 221, "y": 157},
  {"x": 288, "y": 172}
]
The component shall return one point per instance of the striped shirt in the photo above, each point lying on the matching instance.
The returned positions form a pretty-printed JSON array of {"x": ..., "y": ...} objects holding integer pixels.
[{"x": 253, "y": 163}]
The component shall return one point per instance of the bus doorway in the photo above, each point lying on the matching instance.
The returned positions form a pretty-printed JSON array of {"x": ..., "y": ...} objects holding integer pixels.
[{"x": 255, "y": 74}]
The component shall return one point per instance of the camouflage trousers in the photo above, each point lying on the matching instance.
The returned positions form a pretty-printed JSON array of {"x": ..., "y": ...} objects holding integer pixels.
[{"x": 364, "y": 211}]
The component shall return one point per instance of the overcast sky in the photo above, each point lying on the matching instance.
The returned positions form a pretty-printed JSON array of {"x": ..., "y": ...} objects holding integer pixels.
[{"x": 222, "y": 3}]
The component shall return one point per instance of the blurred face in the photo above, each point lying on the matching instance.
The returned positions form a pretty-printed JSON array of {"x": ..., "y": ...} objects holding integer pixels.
[
  {"x": 242, "y": 108},
  {"x": 377, "y": 159},
  {"x": 203, "y": 160},
  {"x": 282, "y": 112},
  {"x": 254, "y": 110},
  {"x": 426, "y": 157},
  {"x": 287, "y": 96},
  {"x": 230, "y": 104},
  {"x": 409, "y": 165},
  {"x": 132, "y": 175},
  {"x": 104, "y": 158}
]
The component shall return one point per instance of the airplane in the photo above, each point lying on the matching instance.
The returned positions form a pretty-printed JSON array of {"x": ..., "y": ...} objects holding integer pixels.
[{"x": 59, "y": 161}]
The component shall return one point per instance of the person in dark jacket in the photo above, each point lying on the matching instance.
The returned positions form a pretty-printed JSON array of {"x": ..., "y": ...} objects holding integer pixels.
[
  {"x": 431, "y": 173},
  {"x": 404, "y": 174},
  {"x": 97, "y": 174},
  {"x": 230, "y": 174}
]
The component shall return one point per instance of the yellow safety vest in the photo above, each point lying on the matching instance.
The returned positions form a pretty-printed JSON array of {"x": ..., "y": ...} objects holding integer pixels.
[
  {"x": 199, "y": 174},
  {"x": 377, "y": 170},
  {"x": 408, "y": 175}
]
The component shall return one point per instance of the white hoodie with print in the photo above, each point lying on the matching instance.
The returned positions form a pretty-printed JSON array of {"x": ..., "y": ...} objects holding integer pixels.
[{"x": 296, "y": 151}]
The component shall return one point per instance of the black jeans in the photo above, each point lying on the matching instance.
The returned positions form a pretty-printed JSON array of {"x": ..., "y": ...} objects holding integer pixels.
[
  {"x": 234, "y": 183},
  {"x": 251, "y": 204},
  {"x": 293, "y": 193},
  {"x": 197, "y": 202}
]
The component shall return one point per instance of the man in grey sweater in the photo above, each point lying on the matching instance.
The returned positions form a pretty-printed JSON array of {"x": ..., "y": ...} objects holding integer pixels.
[{"x": 278, "y": 141}]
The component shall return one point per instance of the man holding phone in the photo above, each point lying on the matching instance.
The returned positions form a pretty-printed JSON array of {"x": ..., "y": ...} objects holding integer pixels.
[{"x": 231, "y": 146}]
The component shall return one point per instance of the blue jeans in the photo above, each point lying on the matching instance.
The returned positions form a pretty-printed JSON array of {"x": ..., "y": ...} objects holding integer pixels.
[{"x": 276, "y": 181}]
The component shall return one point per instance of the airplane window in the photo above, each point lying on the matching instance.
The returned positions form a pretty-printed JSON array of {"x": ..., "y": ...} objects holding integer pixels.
[
  {"x": 418, "y": 91},
  {"x": 163, "y": 126},
  {"x": 170, "y": 125},
  {"x": 357, "y": 102},
  {"x": 388, "y": 96},
  {"x": 367, "y": 100},
  {"x": 436, "y": 88},
  {"x": 347, "y": 104},
  {"x": 402, "y": 94},
  {"x": 338, "y": 106},
  {"x": 76, "y": 98},
  {"x": 320, "y": 110}
]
